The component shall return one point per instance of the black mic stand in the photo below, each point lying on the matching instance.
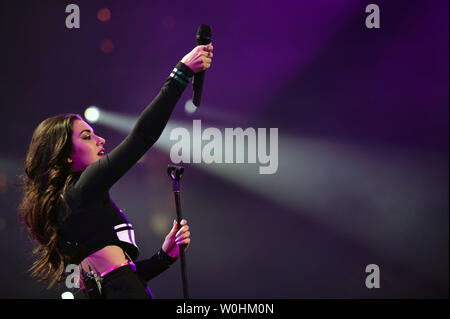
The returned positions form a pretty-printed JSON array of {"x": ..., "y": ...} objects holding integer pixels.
[{"x": 175, "y": 173}]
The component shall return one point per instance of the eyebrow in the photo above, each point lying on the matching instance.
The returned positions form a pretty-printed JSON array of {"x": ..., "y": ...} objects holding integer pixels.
[{"x": 89, "y": 131}]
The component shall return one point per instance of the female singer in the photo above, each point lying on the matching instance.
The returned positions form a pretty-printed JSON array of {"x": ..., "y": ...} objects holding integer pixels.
[{"x": 66, "y": 206}]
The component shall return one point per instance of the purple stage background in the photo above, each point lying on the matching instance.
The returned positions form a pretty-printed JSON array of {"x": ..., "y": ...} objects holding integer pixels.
[{"x": 363, "y": 122}]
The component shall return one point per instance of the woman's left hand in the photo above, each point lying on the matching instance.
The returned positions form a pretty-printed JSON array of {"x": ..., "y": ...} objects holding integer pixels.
[
  {"x": 174, "y": 239},
  {"x": 200, "y": 58}
]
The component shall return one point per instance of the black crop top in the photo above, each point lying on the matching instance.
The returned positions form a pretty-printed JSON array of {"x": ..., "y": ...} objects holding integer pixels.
[{"x": 88, "y": 218}]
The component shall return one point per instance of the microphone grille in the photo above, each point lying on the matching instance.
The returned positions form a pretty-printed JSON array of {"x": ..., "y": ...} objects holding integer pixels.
[{"x": 203, "y": 34}]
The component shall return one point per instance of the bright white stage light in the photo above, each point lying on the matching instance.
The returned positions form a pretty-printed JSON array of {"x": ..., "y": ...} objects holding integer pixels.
[
  {"x": 67, "y": 295},
  {"x": 189, "y": 107},
  {"x": 92, "y": 114}
]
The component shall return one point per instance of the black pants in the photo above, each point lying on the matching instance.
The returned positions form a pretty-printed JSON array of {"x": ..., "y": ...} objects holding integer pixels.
[{"x": 125, "y": 283}]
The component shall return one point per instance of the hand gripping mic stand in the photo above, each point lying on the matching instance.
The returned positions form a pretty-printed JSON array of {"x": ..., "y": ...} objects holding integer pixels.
[{"x": 175, "y": 173}]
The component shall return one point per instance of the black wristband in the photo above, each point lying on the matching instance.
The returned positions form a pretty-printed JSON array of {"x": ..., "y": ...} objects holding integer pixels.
[
  {"x": 182, "y": 74},
  {"x": 185, "y": 69}
]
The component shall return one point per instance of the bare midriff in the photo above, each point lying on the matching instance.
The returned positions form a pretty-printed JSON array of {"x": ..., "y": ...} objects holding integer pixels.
[{"x": 104, "y": 259}]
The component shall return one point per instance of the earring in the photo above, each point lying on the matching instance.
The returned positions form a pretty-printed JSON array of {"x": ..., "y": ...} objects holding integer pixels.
[{"x": 69, "y": 160}]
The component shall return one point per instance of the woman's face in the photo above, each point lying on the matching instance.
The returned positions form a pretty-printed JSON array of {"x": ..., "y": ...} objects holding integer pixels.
[{"x": 87, "y": 147}]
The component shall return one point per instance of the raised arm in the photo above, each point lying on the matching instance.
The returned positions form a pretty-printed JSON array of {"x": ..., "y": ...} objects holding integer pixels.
[{"x": 102, "y": 174}]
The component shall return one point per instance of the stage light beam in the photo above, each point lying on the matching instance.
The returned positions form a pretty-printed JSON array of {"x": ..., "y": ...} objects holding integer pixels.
[{"x": 92, "y": 114}]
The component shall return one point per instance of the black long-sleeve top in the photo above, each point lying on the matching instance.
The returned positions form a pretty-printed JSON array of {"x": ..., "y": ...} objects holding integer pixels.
[{"x": 88, "y": 218}]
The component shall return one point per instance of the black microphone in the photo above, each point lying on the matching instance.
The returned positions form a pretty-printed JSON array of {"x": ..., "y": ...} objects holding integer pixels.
[{"x": 203, "y": 38}]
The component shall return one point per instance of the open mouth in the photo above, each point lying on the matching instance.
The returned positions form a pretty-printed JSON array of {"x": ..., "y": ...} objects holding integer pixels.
[{"x": 101, "y": 153}]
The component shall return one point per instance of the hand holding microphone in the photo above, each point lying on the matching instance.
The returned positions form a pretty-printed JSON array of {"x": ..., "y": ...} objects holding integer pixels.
[{"x": 199, "y": 59}]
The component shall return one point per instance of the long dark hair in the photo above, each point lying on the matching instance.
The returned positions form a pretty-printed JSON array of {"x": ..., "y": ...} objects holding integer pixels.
[{"x": 47, "y": 173}]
